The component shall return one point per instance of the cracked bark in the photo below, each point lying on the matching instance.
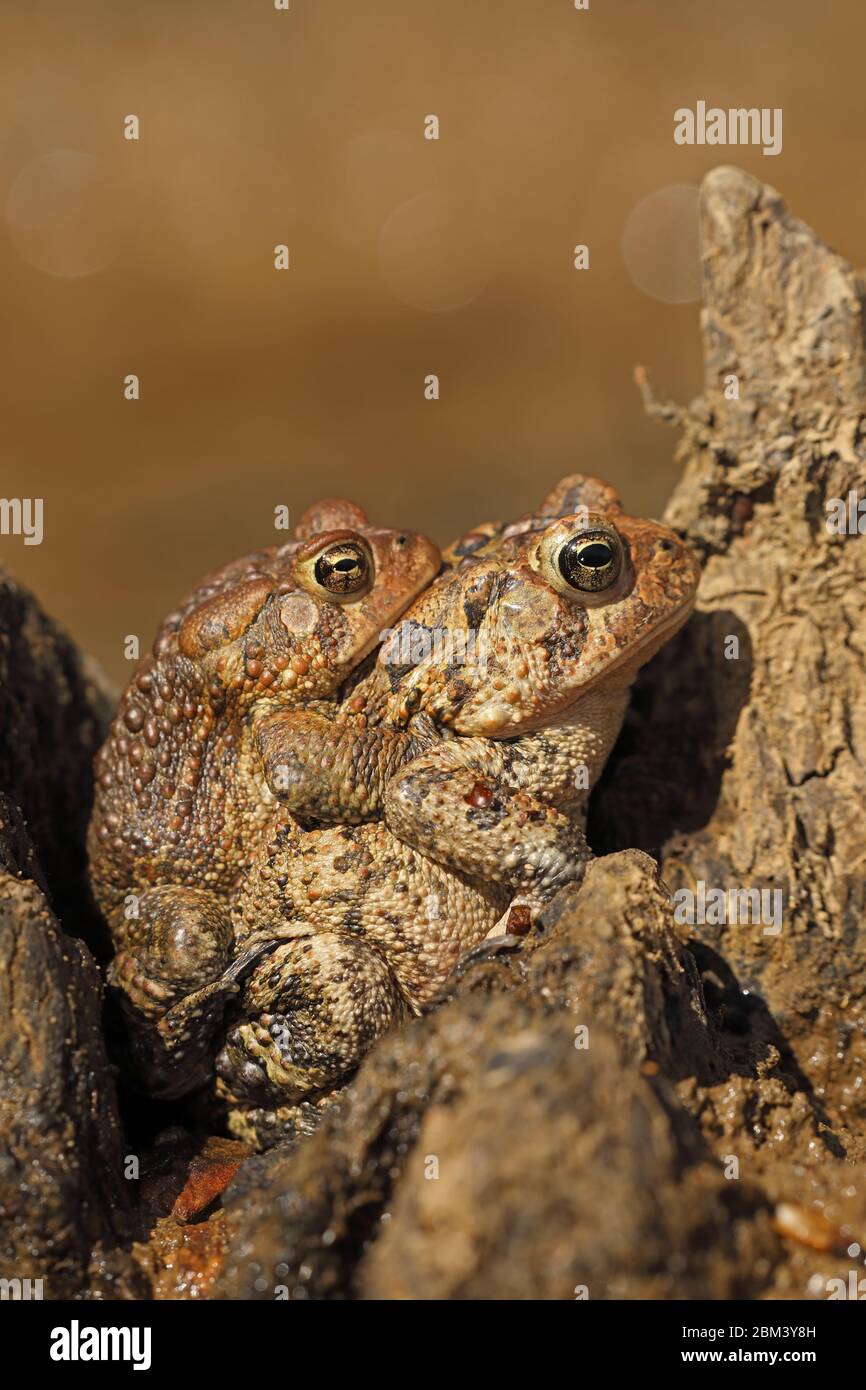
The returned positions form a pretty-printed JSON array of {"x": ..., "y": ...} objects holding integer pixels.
[{"x": 763, "y": 784}]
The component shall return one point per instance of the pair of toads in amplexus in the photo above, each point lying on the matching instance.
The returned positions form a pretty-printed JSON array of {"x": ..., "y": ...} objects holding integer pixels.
[{"x": 348, "y": 763}]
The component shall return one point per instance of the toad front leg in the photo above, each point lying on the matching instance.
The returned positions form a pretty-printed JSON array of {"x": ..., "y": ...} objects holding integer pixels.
[
  {"x": 334, "y": 770},
  {"x": 474, "y": 806}
]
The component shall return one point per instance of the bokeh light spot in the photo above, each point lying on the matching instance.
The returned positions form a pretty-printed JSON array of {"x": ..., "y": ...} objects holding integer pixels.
[
  {"x": 432, "y": 254},
  {"x": 62, "y": 216},
  {"x": 661, "y": 244}
]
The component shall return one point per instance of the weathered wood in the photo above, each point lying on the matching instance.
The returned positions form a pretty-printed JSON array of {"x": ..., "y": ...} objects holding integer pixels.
[{"x": 750, "y": 771}]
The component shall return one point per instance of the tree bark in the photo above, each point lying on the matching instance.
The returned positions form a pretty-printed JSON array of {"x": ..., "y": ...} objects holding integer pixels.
[{"x": 755, "y": 774}]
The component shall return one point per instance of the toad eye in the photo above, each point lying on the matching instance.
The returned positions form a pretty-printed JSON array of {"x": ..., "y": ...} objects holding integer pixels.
[
  {"x": 590, "y": 562},
  {"x": 344, "y": 569}
]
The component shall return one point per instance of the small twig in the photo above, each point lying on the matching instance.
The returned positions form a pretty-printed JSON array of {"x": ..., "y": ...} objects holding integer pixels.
[{"x": 670, "y": 413}]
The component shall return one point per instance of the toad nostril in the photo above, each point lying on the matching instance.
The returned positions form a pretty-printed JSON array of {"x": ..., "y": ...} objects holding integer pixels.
[{"x": 665, "y": 545}]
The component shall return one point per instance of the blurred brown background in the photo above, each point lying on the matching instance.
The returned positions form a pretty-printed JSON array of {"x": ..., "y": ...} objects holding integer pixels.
[{"x": 408, "y": 257}]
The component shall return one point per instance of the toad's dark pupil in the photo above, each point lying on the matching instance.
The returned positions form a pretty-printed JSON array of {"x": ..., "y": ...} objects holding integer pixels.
[
  {"x": 340, "y": 574},
  {"x": 589, "y": 563},
  {"x": 596, "y": 555}
]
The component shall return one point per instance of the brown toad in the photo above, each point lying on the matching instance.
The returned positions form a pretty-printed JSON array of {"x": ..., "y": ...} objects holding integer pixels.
[
  {"x": 181, "y": 801},
  {"x": 542, "y": 626}
]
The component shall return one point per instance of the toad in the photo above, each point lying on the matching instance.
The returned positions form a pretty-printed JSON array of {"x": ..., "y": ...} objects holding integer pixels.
[
  {"x": 182, "y": 802},
  {"x": 526, "y": 648}
]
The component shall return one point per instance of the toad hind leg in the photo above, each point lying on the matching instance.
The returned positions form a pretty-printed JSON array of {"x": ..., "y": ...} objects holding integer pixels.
[
  {"x": 176, "y": 1055},
  {"x": 310, "y": 1012}
]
